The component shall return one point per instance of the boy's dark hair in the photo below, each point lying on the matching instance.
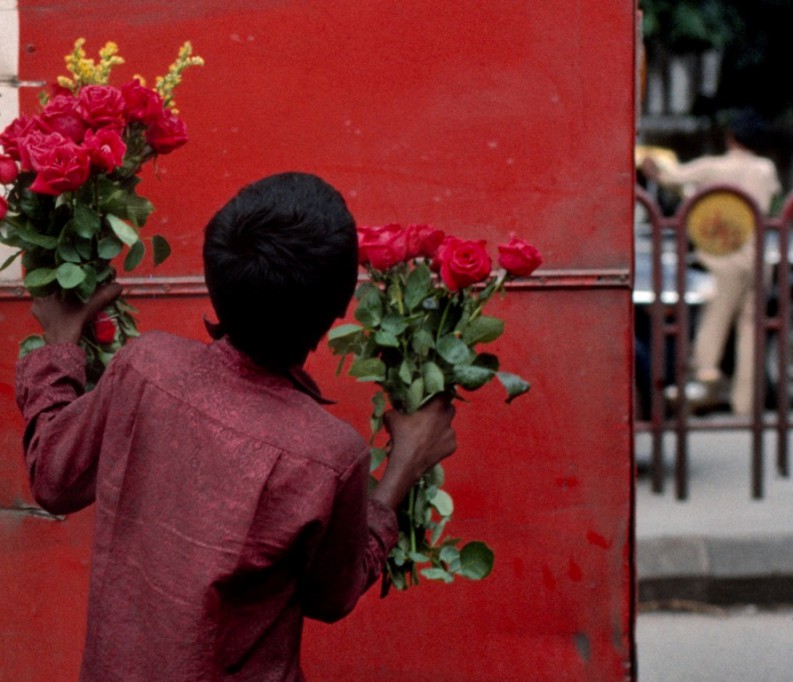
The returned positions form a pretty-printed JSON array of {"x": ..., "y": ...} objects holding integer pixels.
[{"x": 281, "y": 264}]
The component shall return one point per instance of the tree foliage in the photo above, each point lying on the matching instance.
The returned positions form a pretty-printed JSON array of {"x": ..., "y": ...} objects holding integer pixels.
[{"x": 753, "y": 36}]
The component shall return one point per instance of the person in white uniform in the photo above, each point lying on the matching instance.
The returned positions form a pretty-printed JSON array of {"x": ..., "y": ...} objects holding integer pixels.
[{"x": 733, "y": 300}]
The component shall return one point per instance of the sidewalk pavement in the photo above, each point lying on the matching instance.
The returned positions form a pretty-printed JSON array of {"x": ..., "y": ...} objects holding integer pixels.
[{"x": 720, "y": 546}]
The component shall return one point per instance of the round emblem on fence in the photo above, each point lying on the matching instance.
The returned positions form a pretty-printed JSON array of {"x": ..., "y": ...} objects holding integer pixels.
[{"x": 720, "y": 223}]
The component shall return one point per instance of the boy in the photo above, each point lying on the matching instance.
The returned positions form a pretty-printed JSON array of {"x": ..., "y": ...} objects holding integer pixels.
[{"x": 229, "y": 503}]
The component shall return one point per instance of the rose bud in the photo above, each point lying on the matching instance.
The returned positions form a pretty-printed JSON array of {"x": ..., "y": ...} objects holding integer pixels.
[
  {"x": 8, "y": 170},
  {"x": 518, "y": 258},
  {"x": 3, "y": 207}
]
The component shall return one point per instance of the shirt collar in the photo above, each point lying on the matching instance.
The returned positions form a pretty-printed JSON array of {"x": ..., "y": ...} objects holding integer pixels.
[{"x": 296, "y": 375}]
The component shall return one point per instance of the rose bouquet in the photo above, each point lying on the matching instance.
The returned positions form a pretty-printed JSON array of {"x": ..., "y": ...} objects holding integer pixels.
[
  {"x": 420, "y": 321},
  {"x": 71, "y": 173}
]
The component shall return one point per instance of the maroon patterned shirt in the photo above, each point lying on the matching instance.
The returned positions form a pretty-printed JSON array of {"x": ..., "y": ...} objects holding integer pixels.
[{"x": 229, "y": 505}]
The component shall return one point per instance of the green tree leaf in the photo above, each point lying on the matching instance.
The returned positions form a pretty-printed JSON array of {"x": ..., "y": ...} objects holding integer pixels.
[
  {"x": 476, "y": 560},
  {"x": 437, "y": 574},
  {"x": 514, "y": 384}
]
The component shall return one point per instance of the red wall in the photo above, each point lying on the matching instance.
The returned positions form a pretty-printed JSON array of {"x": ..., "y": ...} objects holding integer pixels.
[{"x": 480, "y": 118}]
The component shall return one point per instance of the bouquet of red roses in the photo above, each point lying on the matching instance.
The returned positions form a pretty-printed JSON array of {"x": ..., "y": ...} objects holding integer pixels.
[
  {"x": 421, "y": 319},
  {"x": 71, "y": 173}
]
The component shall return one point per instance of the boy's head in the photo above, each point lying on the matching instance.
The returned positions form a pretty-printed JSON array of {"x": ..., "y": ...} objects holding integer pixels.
[{"x": 281, "y": 263}]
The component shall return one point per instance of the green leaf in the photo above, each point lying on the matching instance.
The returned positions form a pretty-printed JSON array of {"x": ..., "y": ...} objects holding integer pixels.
[
  {"x": 88, "y": 286},
  {"x": 70, "y": 275},
  {"x": 10, "y": 260},
  {"x": 483, "y": 330},
  {"x": 86, "y": 221},
  {"x": 433, "y": 378},
  {"x": 418, "y": 286},
  {"x": 437, "y": 574},
  {"x": 161, "y": 247},
  {"x": 386, "y": 339},
  {"x": 40, "y": 277},
  {"x": 379, "y": 404},
  {"x": 343, "y": 330},
  {"x": 394, "y": 323},
  {"x": 68, "y": 252},
  {"x": 476, "y": 560},
  {"x": 134, "y": 256},
  {"x": 406, "y": 372},
  {"x": 377, "y": 455},
  {"x": 423, "y": 342},
  {"x": 33, "y": 237},
  {"x": 138, "y": 209},
  {"x": 370, "y": 307},
  {"x": 449, "y": 554},
  {"x": 31, "y": 343},
  {"x": 442, "y": 502},
  {"x": 471, "y": 377},
  {"x": 110, "y": 247},
  {"x": 455, "y": 351},
  {"x": 124, "y": 231},
  {"x": 368, "y": 369},
  {"x": 514, "y": 384},
  {"x": 414, "y": 395}
]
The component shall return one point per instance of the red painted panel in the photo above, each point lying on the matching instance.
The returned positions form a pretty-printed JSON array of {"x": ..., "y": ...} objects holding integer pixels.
[{"x": 480, "y": 118}]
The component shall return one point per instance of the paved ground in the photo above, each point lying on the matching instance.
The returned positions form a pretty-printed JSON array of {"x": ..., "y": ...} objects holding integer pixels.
[
  {"x": 720, "y": 538},
  {"x": 697, "y": 558},
  {"x": 736, "y": 645}
]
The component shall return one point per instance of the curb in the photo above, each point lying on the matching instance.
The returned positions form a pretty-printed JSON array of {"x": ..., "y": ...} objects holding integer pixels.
[{"x": 716, "y": 570}]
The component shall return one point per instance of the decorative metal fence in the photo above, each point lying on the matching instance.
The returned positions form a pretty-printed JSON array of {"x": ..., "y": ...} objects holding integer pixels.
[{"x": 669, "y": 288}]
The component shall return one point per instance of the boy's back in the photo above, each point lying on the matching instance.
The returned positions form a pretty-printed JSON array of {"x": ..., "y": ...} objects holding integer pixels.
[{"x": 217, "y": 484}]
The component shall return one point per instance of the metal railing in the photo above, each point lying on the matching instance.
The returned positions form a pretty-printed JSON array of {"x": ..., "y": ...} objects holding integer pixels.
[{"x": 670, "y": 304}]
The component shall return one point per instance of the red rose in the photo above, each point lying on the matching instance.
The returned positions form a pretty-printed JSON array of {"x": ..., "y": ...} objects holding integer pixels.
[
  {"x": 8, "y": 170},
  {"x": 106, "y": 148},
  {"x": 36, "y": 145},
  {"x": 61, "y": 116},
  {"x": 423, "y": 240},
  {"x": 3, "y": 207},
  {"x": 382, "y": 246},
  {"x": 18, "y": 129},
  {"x": 141, "y": 103},
  {"x": 166, "y": 133},
  {"x": 518, "y": 258},
  {"x": 62, "y": 169},
  {"x": 101, "y": 105},
  {"x": 462, "y": 263},
  {"x": 104, "y": 329}
]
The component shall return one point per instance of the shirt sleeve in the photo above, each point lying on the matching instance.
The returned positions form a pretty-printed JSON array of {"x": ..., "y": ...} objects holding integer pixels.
[
  {"x": 351, "y": 556},
  {"x": 63, "y": 426}
]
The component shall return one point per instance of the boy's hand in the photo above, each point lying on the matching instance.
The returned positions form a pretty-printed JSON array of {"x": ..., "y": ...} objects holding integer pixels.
[
  {"x": 63, "y": 321},
  {"x": 418, "y": 442}
]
